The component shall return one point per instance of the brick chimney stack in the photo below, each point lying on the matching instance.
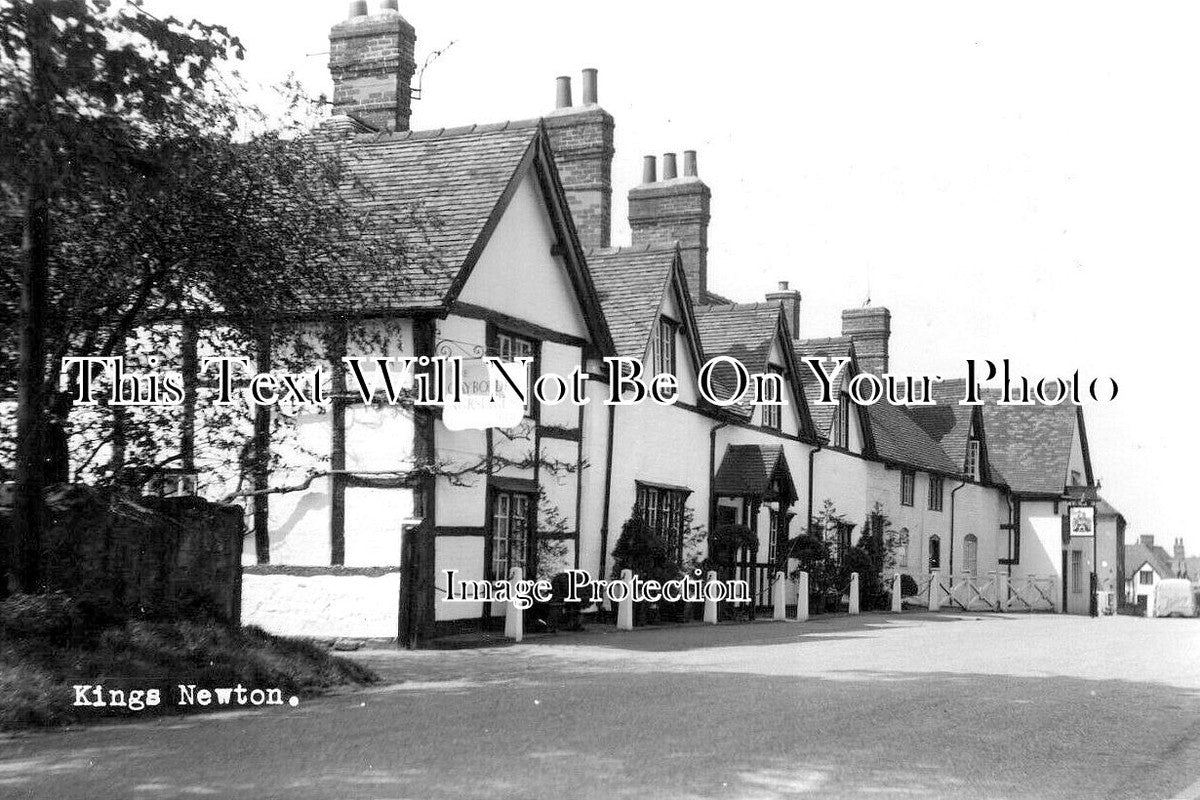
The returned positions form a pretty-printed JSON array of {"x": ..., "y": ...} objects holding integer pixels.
[
  {"x": 790, "y": 300},
  {"x": 1180, "y": 557},
  {"x": 675, "y": 209},
  {"x": 371, "y": 61},
  {"x": 869, "y": 328},
  {"x": 581, "y": 137}
]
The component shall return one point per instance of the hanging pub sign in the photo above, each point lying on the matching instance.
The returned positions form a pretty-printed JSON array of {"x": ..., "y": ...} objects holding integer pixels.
[{"x": 1081, "y": 520}]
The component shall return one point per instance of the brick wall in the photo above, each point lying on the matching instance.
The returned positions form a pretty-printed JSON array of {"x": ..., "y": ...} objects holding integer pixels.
[
  {"x": 675, "y": 210},
  {"x": 371, "y": 59},
  {"x": 581, "y": 139}
]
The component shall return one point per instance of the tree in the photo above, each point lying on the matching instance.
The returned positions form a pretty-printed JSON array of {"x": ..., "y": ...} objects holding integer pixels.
[{"x": 135, "y": 187}]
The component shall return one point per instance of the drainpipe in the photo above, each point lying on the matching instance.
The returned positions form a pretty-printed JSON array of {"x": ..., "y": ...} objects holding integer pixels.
[
  {"x": 1014, "y": 530},
  {"x": 811, "y": 455},
  {"x": 950, "y": 559},
  {"x": 612, "y": 422},
  {"x": 712, "y": 476}
]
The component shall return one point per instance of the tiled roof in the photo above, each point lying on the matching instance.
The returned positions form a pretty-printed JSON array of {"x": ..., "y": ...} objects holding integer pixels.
[
  {"x": 436, "y": 189},
  {"x": 747, "y": 469},
  {"x": 630, "y": 282},
  {"x": 1137, "y": 554},
  {"x": 1030, "y": 446},
  {"x": 828, "y": 348},
  {"x": 947, "y": 423},
  {"x": 739, "y": 330},
  {"x": 898, "y": 438}
]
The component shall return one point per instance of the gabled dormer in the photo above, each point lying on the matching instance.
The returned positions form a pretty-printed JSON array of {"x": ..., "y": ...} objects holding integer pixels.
[{"x": 841, "y": 422}]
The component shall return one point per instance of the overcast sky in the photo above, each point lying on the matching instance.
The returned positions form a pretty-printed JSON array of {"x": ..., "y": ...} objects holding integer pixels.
[{"x": 1014, "y": 180}]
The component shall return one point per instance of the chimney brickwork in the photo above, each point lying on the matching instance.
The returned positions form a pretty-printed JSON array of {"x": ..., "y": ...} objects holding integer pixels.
[
  {"x": 675, "y": 209},
  {"x": 870, "y": 329},
  {"x": 371, "y": 59},
  {"x": 581, "y": 138},
  {"x": 789, "y": 299}
]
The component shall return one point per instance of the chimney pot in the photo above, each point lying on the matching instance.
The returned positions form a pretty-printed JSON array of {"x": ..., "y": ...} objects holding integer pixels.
[
  {"x": 589, "y": 87},
  {"x": 358, "y": 8},
  {"x": 669, "y": 169},
  {"x": 689, "y": 163},
  {"x": 390, "y": 5},
  {"x": 563, "y": 98},
  {"x": 649, "y": 169},
  {"x": 783, "y": 286}
]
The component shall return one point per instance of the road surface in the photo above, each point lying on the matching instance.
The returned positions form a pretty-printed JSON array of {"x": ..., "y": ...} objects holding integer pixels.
[{"x": 924, "y": 705}]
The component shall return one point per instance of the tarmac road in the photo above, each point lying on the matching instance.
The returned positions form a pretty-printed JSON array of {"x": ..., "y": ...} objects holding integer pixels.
[{"x": 924, "y": 705}]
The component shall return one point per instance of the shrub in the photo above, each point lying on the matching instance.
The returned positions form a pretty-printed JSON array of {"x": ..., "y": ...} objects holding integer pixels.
[{"x": 908, "y": 586}]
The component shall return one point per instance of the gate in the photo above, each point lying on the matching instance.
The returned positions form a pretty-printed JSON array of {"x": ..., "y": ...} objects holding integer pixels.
[{"x": 995, "y": 591}]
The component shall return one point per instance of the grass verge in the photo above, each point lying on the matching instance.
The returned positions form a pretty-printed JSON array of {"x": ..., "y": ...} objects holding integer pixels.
[{"x": 38, "y": 672}]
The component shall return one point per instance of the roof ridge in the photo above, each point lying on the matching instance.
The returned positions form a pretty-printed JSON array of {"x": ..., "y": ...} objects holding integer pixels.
[
  {"x": 648, "y": 247},
  {"x": 447, "y": 133}
]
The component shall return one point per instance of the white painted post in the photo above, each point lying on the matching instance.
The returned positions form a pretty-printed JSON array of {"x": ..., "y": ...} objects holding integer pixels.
[
  {"x": 896, "y": 607},
  {"x": 935, "y": 591},
  {"x": 1150, "y": 601},
  {"x": 802, "y": 597},
  {"x": 514, "y": 618},
  {"x": 853, "y": 592},
  {"x": 625, "y": 607},
  {"x": 778, "y": 598},
  {"x": 1001, "y": 590},
  {"x": 710, "y": 606}
]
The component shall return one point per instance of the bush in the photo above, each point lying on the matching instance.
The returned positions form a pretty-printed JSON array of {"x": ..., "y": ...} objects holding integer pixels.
[
  {"x": 871, "y": 591},
  {"x": 908, "y": 586}
]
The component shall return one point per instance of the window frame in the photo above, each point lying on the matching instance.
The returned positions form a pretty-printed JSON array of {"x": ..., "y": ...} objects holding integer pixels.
[
  {"x": 496, "y": 336},
  {"x": 934, "y": 556},
  {"x": 772, "y": 415},
  {"x": 841, "y": 422},
  {"x": 972, "y": 467},
  {"x": 908, "y": 487},
  {"x": 937, "y": 500},
  {"x": 508, "y": 498},
  {"x": 664, "y": 509},
  {"x": 971, "y": 554},
  {"x": 663, "y": 355}
]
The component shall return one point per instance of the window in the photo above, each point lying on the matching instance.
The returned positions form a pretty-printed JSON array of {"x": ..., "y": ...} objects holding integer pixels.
[
  {"x": 1146, "y": 577},
  {"x": 662, "y": 510},
  {"x": 841, "y": 422},
  {"x": 662, "y": 347},
  {"x": 771, "y": 414},
  {"x": 1076, "y": 478},
  {"x": 936, "y": 485},
  {"x": 971, "y": 554},
  {"x": 1076, "y": 572},
  {"x": 908, "y": 486},
  {"x": 510, "y": 533},
  {"x": 901, "y": 551},
  {"x": 972, "y": 465},
  {"x": 510, "y": 347},
  {"x": 935, "y": 552}
]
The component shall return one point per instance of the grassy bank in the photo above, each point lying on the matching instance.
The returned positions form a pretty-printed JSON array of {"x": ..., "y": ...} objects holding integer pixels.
[{"x": 40, "y": 664}]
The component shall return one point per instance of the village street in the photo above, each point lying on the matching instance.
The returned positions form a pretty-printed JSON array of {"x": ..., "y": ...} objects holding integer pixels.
[{"x": 948, "y": 705}]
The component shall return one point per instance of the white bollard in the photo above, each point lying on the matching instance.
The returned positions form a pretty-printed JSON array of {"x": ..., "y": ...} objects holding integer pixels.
[
  {"x": 778, "y": 597},
  {"x": 853, "y": 592},
  {"x": 514, "y": 618},
  {"x": 802, "y": 596},
  {"x": 1002, "y": 591},
  {"x": 710, "y": 606},
  {"x": 1150, "y": 601},
  {"x": 625, "y": 606},
  {"x": 896, "y": 601},
  {"x": 935, "y": 591}
]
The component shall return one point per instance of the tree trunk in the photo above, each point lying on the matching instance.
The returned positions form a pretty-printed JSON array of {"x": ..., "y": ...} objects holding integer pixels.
[
  {"x": 28, "y": 510},
  {"x": 35, "y": 269}
]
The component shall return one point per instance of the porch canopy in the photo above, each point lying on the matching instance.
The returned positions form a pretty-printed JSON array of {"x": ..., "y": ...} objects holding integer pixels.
[{"x": 756, "y": 472}]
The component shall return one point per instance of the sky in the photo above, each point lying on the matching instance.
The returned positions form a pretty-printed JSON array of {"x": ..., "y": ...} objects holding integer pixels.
[{"x": 1016, "y": 180}]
